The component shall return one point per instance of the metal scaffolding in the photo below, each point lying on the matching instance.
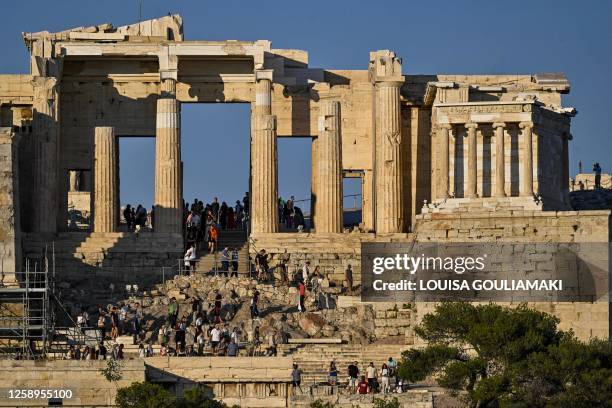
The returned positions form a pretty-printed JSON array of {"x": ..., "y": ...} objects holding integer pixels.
[{"x": 26, "y": 317}]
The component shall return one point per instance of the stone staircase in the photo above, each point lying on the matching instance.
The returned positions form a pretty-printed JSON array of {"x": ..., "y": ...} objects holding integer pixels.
[
  {"x": 314, "y": 359},
  {"x": 208, "y": 262}
]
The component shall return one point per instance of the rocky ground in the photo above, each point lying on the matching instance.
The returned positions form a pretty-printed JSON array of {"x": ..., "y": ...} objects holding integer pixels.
[{"x": 355, "y": 324}]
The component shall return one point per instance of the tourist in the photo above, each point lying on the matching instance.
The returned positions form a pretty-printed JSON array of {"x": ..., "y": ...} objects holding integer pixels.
[
  {"x": 348, "y": 279},
  {"x": 135, "y": 328},
  {"x": 353, "y": 374},
  {"x": 302, "y": 292},
  {"x": 306, "y": 271},
  {"x": 254, "y": 300},
  {"x": 214, "y": 208},
  {"x": 234, "y": 257},
  {"x": 245, "y": 203},
  {"x": 371, "y": 376},
  {"x": 261, "y": 260},
  {"x": 127, "y": 214},
  {"x": 296, "y": 378},
  {"x": 190, "y": 351},
  {"x": 149, "y": 352},
  {"x": 333, "y": 374},
  {"x": 200, "y": 341},
  {"x": 102, "y": 325},
  {"x": 384, "y": 377},
  {"x": 213, "y": 236},
  {"x": 215, "y": 337},
  {"x": 392, "y": 365},
  {"x": 597, "y": 171},
  {"x": 225, "y": 260},
  {"x": 141, "y": 351},
  {"x": 163, "y": 351},
  {"x": 256, "y": 341},
  {"x": 196, "y": 309},
  {"x": 190, "y": 259},
  {"x": 232, "y": 348},
  {"x": 231, "y": 219},
  {"x": 218, "y": 305},
  {"x": 235, "y": 335},
  {"x": 271, "y": 350},
  {"x": 173, "y": 309},
  {"x": 362, "y": 386},
  {"x": 123, "y": 318},
  {"x": 114, "y": 318},
  {"x": 101, "y": 351}
]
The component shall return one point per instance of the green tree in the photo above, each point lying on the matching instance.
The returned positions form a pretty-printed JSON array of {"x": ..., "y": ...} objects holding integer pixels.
[
  {"x": 112, "y": 371},
  {"x": 145, "y": 395},
  {"x": 386, "y": 403},
  {"x": 196, "y": 398},
  {"x": 514, "y": 357}
]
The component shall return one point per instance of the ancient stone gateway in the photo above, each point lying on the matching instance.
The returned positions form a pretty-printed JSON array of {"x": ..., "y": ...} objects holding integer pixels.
[{"x": 431, "y": 150}]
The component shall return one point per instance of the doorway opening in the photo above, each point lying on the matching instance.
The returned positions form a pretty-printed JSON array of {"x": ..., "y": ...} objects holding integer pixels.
[
  {"x": 351, "y": 203},
  {"x": 294, "y": 182},
  {"x": 136, "y": 175}
]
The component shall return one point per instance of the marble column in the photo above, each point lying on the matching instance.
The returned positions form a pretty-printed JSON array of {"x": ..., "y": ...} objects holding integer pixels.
[
  {"x": 471, "y": 189},
  {"x": 566, "y": 137},
  {"x": 329, "y": 169},
  {"x": 264, "y": 166},
  {"x": 389, "y": 194},
  {"x": 105, "y": 198},
  {"x": 168, "y": 192},
  {"x": 44, "y": 201},
  {"x": 443, "y": 140},
  {"x": 526, "y": 185},
  {"x": 500, "y": 165}
]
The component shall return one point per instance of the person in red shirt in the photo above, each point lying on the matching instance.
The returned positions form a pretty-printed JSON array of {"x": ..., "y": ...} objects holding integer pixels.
[
  {"x": 302, "y": 289},
  {"x": 362, "y": 386}
]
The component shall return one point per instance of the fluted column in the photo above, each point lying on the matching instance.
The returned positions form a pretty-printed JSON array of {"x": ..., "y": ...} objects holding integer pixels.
[
  {"x": 500, "y": 165},
  {"x": 443, "y": 134},
  {"x": 168, "y": 192},
  {"x": 329, "y": 169},
  {"x": 45, "y": 201},
  {"x": 526, "y": 185},
  {"x": 264, "y": 165},
  {"x": 389, "y": 194},
  {"x": 106, "y": 210},
  {"x": 471, "y": 190},
  {"x": 566, "y": 137}
]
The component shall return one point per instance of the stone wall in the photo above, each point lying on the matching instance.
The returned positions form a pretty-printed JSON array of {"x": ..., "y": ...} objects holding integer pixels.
[
  {"x": 83, "y": 378},
  {"x": 10, "y": 229},
  {"x": 242, "y": 381}
]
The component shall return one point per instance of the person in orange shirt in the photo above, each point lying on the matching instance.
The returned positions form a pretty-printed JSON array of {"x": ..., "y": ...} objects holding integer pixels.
[{"x": 213, "y": 235}]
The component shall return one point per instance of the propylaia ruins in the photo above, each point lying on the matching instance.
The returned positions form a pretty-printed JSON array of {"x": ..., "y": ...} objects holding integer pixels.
[{"x": 441, "y": 157}]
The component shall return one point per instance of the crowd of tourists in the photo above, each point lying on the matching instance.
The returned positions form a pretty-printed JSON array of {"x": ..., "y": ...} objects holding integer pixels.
[
  {"x": 370, "y": 380},
  {"x": 290, "y": 215},
  {"x": 138, "y": 218}
]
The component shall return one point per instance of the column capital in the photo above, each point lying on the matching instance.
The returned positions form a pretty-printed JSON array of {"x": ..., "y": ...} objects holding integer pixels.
[
  {"x": 262, "y": 74},
  {"x": 390, "y": 83},
  {"x": 499, "y": 125},
  {"x": 524, "y": 125},
  {"x": 446, "y": 126},
  {"x": 471, "y": 125},
  {"x": 385, "y": 66}
]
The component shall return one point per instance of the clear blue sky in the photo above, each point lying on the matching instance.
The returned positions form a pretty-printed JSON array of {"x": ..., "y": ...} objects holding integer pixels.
[{"x": 492, "y": 37}]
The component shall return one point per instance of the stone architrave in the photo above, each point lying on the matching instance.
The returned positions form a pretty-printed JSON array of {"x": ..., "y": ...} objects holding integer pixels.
[
  {"x": 168, "y": 180},
  {"x": 264, "y": 165},
  {"x": 329, "y": 169},
  {"x": 106, "y": 210}
]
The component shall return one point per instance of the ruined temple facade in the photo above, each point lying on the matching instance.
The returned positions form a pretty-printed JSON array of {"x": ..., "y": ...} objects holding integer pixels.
[{"x": 440, "y": 157}]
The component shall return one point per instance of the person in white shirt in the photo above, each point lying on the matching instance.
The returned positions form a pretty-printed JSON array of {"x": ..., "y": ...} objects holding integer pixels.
[
  {"x": 215, "y": 337},
  {"x": 306, "y": 271},
  {"x": 371, "y": 376},
  {"x": 384, "y": 376},
  {"x": 190, "y": 257}
]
